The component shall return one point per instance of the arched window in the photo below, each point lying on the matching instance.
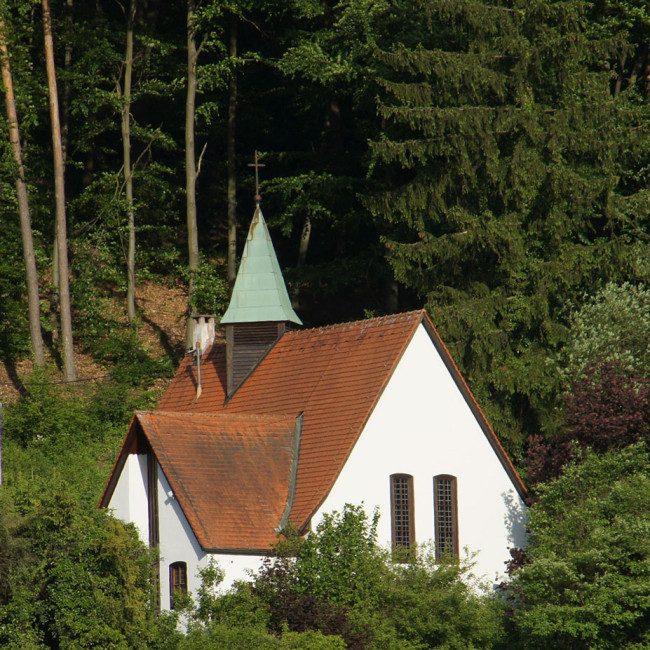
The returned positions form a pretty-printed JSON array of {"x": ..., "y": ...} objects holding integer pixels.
[
  {"x": 446, "y": 515},
  {"x": 177, "y": 581},
  {"x": 401, "y": 507}
]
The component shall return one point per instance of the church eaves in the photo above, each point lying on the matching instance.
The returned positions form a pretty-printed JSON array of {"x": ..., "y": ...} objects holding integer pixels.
[{"x": 260, "y": 294}]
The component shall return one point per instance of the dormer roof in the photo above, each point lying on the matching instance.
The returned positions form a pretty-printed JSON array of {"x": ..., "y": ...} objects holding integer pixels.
[{"x": 260, "y": 294}]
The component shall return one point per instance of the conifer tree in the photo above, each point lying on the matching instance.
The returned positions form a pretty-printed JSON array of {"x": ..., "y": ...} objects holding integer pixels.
[{"x": 516, "y": 182}]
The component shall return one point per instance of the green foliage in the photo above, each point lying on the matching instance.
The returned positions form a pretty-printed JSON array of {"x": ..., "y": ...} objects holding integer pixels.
[
  {"x": 238, "y": 608},
  {"x": 69, "y": 433},
  {"x": 85, "y": 581},
  {"x": 508, "y": 178},
  {"x": 14, "y": 331},
  {"x": 221, "y": 637},
  {"x": 51, "y": 411},
  {"x": 586, "y": 581},
  {"x": 341, "y": 562},
  {"x": 612, "y": 326},
  {"x": 45, "y": 411},
  {"x": 317, "y": 149},
  {"x": 427, "y": 604},
  {"x": 240, "y": 619},
  {"x": 210, "y": 290},
  {"x": 339, "y": 582},
  {"x": 132, "y": 365}
]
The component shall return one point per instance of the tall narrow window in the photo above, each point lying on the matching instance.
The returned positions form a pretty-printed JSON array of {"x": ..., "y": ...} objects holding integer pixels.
[
  {"x": 446, "y": 516},
  {"x": 177, "y": 581},
  {"x": 401, "y": 505}
]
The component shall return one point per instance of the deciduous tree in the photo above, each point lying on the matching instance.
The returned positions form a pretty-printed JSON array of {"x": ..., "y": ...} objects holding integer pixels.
[
  {"x": 65, "y": 307},
  {"x": 605, "y": 409},
  {"x": 31, "y": 273},
  {"x": 585, "y": 584}
]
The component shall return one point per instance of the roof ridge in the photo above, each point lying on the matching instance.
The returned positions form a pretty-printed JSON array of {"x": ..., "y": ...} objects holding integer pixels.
[
  {"x": 375, "y": 320},
  {"x": 221, "y": 415}
]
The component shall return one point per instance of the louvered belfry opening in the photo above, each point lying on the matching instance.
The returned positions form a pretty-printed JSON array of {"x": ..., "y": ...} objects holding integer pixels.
[{"x": 246, "y": 345}]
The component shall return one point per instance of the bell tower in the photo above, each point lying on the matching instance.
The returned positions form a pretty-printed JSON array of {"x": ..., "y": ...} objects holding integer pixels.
[{"x": 259, "y": 309}]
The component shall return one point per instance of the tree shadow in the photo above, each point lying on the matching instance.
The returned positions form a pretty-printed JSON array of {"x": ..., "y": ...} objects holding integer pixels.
[
  {"x": 12, "y": 373},
  {"x": 53, "y": 349},
  {"x": 174, "y": 352},
  {"x": 516, "y": 519}
]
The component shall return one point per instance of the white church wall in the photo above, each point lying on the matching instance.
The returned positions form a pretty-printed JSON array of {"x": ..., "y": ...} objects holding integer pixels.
[
  {"x": 129, "y": 500},
  {"x": 179, "y": 544},
  {"x": 236, "y": 567},
  {"x": 423, "y": 427}
]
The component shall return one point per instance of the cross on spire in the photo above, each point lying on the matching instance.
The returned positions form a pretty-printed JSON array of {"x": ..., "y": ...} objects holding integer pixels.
[{"x": 257, "y": 165}]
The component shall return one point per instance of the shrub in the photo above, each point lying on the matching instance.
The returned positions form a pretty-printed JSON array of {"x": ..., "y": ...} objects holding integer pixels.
[
  {"x": 586, "y": 580},
  {"x": 606, "y": 409}
]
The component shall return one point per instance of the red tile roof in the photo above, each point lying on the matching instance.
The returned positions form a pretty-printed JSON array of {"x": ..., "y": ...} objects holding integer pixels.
[
  {"x": 230, "y": 473},
  {"x": 333, "y": 376}
]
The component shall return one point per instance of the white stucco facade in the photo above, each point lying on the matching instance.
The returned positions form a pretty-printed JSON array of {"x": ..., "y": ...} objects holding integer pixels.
[
  {"x": 177, "y": 541},
  {"x": 422, "y": 426}
]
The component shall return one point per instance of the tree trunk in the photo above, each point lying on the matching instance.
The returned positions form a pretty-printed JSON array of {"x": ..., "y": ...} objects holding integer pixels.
[
  {"x": 128, "y": 176},
  {"x": 65, "y": 103},
  {"x": 392, "y": 297},
  {"x": 190, "y": 154},
  {"x": 67, "y": 63},
  {"x": 305, "y": 235},
  {"x": 59, "y": 191},
  {"x": 619, "y": 78},
  {"x": 640, "y": 65},
  {"x": 31, "y": 274},
  {"x": 232, "y": 169}
]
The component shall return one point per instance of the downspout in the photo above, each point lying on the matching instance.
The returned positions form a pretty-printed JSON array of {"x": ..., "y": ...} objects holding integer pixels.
[{"x": 199, "y": 388}]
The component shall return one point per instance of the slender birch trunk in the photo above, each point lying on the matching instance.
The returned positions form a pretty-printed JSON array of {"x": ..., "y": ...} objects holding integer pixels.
[
  {"x": 67, "y": 63},
  {"x": 232, "y": 168},
  {"x": 190, "y": 153},
  {"x": 126, "y": 150},
  {"x": 31, "y": 273},
  {"x": 303, "y": 246},
  {"x": 69, "y": 373}
]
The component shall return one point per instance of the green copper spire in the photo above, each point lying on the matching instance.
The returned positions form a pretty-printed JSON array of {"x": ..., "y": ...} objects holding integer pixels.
[{"x": 259, "y": 293}]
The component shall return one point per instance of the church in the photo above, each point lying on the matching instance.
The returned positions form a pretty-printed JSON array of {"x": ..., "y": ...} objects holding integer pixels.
[{"x": 280, "y": 425}]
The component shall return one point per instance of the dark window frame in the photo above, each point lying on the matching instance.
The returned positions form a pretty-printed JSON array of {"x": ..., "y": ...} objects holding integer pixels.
[
  {"x": 402, "y": 506},
  {"x": 445, "y": 501},
  {"x": 177, "y": 581}
]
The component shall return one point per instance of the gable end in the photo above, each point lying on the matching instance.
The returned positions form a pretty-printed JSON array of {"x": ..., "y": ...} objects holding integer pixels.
[
  {"x": 135, "y": 442},
  {"x": 469, "y": 398}
]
